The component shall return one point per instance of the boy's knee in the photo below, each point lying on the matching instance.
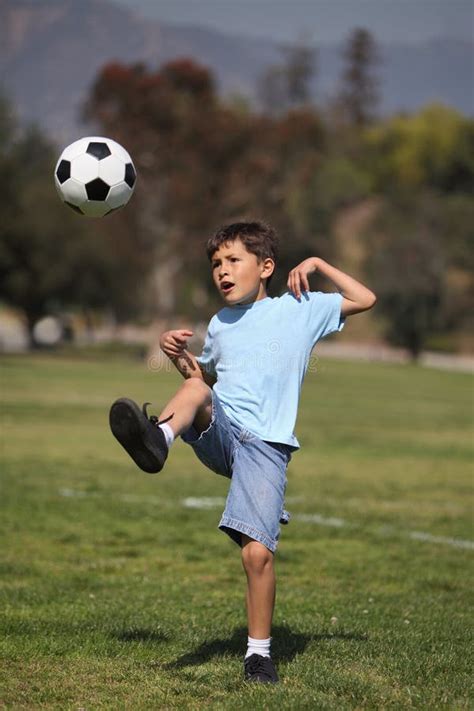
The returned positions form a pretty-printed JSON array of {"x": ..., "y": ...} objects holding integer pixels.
[
  {"x": 256, "y": 557},
  {"x": 199, "y": 388}
]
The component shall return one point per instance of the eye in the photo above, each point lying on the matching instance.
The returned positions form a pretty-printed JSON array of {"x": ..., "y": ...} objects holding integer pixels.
[{"x": 234, "y": 259}]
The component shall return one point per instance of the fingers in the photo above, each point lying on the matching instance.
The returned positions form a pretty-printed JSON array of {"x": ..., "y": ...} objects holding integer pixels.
[
  {"x": 173, "y": 351},
  {"x": 176, "y": 342},
  {"x": 297, "y": 282},
  {"x": 182, "y": 335},
  {"x": 177, "y": 345},
  {"x": 178, "y": 333},
  {"x": 177, "y": 338}
]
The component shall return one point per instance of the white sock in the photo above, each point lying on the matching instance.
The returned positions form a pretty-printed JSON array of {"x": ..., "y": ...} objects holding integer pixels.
[
  {"x": 258, "y": 646},
  {"x": 168, "y": 432}
]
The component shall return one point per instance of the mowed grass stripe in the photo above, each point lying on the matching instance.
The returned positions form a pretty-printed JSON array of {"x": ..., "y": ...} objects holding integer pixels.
[{"x": 116, "y": 602}]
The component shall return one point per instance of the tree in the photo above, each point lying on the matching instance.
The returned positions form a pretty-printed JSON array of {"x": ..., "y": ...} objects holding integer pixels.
[
  {"x": 457, "y": 224},
  {"x": 289, "y": 85},
  {"x": 201, "y": 163},
  {"x": 406, "y": 266},
  {"x": 49, "y": 260},
  {"x": 358, "y": 96},
  {"x": 433, "y": 148}
]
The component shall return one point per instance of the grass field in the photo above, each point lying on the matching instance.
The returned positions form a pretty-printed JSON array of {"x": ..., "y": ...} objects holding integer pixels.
[{"x": 119, "y": 592}]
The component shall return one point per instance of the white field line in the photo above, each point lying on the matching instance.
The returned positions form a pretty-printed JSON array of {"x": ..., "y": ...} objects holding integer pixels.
[
  {"x": 212, "y": 502},
  {"x": 75, "y": 494},
  {"x": 456, "y": 542},
  {"x": 321, "y": 520},
  {"x": 203, "y": 502},
  {"x": 384, "y": 530}
]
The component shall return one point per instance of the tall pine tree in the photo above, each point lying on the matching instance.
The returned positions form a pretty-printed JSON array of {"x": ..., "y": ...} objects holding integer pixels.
[{"x": 358, "y": 96}]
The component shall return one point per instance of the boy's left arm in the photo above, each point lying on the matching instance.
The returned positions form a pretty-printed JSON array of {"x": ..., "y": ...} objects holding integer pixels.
[{"x": 356, "y": 296}]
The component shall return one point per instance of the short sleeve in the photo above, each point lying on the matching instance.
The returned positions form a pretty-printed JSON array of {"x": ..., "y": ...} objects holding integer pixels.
[
  {"x": 207, "y": 357},
  {"x": 325, "y": 314}
]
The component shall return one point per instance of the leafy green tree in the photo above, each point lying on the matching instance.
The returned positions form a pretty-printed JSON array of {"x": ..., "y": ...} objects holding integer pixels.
[{"x": 433, "y": 148}]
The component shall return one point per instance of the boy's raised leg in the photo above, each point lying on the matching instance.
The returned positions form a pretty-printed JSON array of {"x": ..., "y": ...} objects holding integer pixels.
[
  {"x": 191, "y": 405},
  {"x": 142, "y": 436}
]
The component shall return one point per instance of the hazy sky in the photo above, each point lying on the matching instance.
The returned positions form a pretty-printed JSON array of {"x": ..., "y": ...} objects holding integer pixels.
[{"x": 323, "y": 20}]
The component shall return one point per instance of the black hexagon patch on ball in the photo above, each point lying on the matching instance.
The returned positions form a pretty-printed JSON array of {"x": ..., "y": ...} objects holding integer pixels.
[
  {"x": 130, "y": 175},
  {"x": 97, "y": 189},
  {"x": 98, "y": 150},
  {"x": 63, "y": 171}
]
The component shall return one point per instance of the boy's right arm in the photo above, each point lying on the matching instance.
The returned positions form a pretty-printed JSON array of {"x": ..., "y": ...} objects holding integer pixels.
[{"x": 174, "y": 345}]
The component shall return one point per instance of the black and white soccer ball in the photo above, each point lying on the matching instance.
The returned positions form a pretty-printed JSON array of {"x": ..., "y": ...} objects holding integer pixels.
[{"x": 95, "y": 176}]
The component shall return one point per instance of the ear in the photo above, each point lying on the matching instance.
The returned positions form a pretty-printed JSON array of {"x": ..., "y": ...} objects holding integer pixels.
[{"x": 268, "y": 267}]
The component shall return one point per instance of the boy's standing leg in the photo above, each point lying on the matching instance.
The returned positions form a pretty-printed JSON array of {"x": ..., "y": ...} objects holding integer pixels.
[{"x": 257, "y": 561}]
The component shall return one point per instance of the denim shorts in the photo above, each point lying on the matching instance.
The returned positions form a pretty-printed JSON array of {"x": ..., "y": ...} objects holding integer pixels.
[{"x": 257, "y": 470}]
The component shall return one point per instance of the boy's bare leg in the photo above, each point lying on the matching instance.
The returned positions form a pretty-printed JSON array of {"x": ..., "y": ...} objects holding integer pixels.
[
  {"x": 258, "y": 565},
  {"x": 192, "y": 404}
]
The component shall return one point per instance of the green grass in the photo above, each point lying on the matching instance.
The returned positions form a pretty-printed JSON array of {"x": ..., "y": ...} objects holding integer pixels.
[{"x": 115, "y": 595}]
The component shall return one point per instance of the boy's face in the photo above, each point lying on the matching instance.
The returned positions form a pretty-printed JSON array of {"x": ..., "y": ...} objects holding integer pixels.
[{"x": 238, "y": 275}]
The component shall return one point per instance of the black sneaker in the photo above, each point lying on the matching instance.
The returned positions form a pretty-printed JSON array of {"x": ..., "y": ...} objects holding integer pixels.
[
  {"x": 139, "y": 434},
  {"x": 260, "y": 669}
]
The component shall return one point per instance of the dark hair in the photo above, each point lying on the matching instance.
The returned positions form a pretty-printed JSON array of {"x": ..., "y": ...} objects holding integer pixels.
[{"x": 257, "y": 237}]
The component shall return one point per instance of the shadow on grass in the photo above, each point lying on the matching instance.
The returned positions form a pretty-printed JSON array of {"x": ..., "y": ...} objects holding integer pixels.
[{"x": 286, "y": 644}]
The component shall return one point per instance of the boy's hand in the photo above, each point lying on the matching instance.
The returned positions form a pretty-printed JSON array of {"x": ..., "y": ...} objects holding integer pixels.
[
  {"x": 174, "y": 343},
  {"x": 298, "y": 277}
]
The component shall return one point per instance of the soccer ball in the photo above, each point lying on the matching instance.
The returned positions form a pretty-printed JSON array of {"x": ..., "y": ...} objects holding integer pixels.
[{"x": 95, "y": 176}]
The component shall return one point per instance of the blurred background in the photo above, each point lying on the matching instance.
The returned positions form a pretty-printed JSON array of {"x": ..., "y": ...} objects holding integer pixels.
[{"x": 347, "y": 124}]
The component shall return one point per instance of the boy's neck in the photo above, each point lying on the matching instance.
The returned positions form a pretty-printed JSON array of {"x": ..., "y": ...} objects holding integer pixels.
[{"x": 262, "y": 294}]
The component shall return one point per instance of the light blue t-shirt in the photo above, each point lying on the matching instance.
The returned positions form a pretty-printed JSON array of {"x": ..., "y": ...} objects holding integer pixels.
[{"x": 259, "y": 354}]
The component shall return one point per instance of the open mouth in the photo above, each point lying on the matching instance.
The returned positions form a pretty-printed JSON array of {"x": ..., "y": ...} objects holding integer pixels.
[{"x": 227, "y": 286}]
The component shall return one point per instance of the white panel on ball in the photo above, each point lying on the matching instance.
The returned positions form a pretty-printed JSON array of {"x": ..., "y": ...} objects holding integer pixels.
[
  {"x": 85, "y": 168},
  {"x": 95, "y": 208},
  {"x": 112, "y": 170},
  {"x": 75, "y": 149},
  {"x": 119, "y": 195},
  {"x": 118, "y": 150},
  {"x": 74, "y": 192}
]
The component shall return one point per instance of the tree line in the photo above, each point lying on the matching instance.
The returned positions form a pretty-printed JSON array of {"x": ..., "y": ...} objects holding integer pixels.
[{"x": 203, "y": 160}]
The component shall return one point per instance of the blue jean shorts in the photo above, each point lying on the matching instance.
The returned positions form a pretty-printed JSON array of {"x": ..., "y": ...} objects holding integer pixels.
[{"x": 257, "y": 470}]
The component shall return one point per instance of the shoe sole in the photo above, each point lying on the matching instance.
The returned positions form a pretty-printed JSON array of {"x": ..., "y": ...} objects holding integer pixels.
[{"x": 131, "y": 428}]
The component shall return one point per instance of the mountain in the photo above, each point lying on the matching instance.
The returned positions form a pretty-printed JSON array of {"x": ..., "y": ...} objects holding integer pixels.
[{"x": 51, "y": 50}]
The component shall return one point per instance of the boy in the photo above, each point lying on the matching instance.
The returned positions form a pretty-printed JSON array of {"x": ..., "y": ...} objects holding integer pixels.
[{"x": 238, "y": 404}]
